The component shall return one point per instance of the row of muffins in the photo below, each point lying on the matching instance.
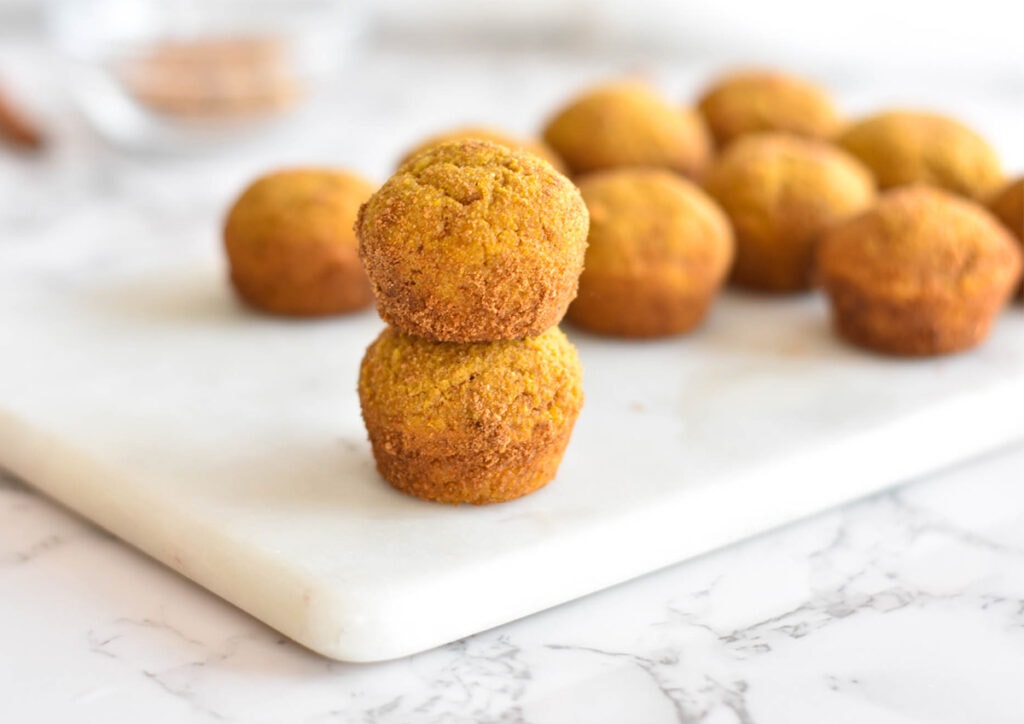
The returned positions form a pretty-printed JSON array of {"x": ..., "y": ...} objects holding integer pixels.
[
  {"x": 476, "y": 246},
  {"x": 923, "y": 271},
  {"x": 782, "y": 185}
]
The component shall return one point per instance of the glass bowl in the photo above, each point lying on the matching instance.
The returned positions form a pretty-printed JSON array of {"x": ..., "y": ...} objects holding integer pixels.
[{"x": 157, "y": 74}]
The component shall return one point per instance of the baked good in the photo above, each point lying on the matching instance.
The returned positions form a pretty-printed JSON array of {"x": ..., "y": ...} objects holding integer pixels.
[
  {"x": 1008, "y": 205},
  {"x": 469, "y": 423},
  {"x": 908, "y": 147},
  {"x": 755, "y": 100},
  {"x": 628, "y": 124},
  {"x": 290, "y": 244},
  {"x": 472, "y": 241},
  {"x": 781, "y": 192},
  {"x": 658, "y": 250},
  {"x": 483, "y": 133},
  {"x": 924, "y": 272}
]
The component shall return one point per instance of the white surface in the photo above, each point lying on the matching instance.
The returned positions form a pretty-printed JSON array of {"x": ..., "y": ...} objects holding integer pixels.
[{"x": 230, "y": 446}]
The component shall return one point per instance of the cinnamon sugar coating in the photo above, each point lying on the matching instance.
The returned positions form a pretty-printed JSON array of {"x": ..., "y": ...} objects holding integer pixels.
[
  {"x": 472, "y": 241},
  {"x": 469, "y": 423},
  {"x": 485, "y": 133}
]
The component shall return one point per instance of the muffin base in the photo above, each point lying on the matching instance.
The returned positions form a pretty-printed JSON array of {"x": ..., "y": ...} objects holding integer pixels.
[
  {"x": 339, "y": 288},
  {"x": 444, "y": 469},
  {"x": 619, "y": 307},
  {"x": 914, "y": 327}
]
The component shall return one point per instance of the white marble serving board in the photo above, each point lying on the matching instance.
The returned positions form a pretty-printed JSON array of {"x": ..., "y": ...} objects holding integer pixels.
[{"x": 229, "y": 446}]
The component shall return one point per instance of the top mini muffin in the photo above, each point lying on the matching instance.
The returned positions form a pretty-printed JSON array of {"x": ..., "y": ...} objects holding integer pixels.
[{"x": 471, "y": 241}]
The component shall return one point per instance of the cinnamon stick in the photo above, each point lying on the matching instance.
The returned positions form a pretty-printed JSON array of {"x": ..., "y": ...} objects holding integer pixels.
[{"x": 16, "y": 128}]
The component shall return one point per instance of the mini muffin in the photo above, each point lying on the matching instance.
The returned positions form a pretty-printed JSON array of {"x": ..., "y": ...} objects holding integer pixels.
[
  {"x": 658, "y": 251},
  {"x": 752, "y": 101},
  {"x": 781, "y": 192},
  {"x": 469, "y": 423},
  {"x": 628, "y": 124},
  {"x": 471, "y": 241},
  {"x": 290, "y": 243},
  {"x": 924, "y": 272},
  {"x": 481, "y": 133},
  {"x": 908, "y": 147},
  {"x": 1008, "y": 205}
]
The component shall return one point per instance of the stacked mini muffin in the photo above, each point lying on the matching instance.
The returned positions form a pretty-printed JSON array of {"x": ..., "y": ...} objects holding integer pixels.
[{"x": 474, "y": 251}]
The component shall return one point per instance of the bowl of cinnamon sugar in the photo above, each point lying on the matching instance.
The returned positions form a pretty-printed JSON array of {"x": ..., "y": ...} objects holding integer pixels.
[{"x": 193, "y": 73}]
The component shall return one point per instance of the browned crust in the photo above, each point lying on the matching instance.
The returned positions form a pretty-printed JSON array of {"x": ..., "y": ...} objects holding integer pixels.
[
  {"x": 340, "y": 286},
  {"x": 628, "y": 307},
  {"x": 915, "y": 327},
  {"x": 469, "y": 423},
  {"x": 447, "y": 470},
  {"x": 923, "y": 272}
]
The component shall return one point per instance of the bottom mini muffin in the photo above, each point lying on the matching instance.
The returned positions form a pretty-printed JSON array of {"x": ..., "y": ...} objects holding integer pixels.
[
  {"x": 922, "y": 273},
  {"x": 481, "y": 422}
]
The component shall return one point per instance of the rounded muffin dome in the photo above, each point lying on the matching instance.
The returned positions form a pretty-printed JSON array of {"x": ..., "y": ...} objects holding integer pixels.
[
  {"x": 472, "y": 241},
  {"x": 493, "y": 135},
  {"x": 756, "y": 101},
  {"x": 910, "y": 147},
  {"x": 628, "y": 124}
]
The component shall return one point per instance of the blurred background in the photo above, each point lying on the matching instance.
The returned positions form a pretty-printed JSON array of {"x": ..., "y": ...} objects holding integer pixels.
[{"x": 189, "y": 99}]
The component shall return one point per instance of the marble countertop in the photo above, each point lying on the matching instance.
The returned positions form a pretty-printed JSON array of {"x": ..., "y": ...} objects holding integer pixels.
[{"x": 904, "y": 608}]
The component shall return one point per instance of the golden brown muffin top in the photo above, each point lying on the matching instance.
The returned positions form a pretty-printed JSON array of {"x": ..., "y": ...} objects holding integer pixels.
[
  {"x": 755, "y": 100},
  {"x": 920, "y": 239},
  {"x": 1008, "y": 205},
  {"x": 493, "y": 135},
  {"x": 905, "y": 147},
  {"x": 628, "y": 124},
  {"x": 506, "y": 387},
  {"x": 471, "y": 238},
  {"x": 776, "y": 181},
  {"x": 300, "y": 206},
  {"x": 643, "y": 220}
]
